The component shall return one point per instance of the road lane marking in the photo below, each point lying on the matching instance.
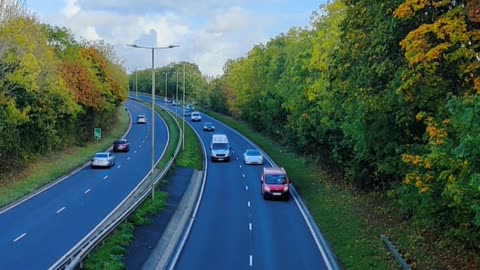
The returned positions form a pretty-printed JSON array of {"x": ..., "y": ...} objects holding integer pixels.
[
  {"x": 251, "y": 260},
  {"x": 240, "y": 164},
  {"x": 118, "y": 167},
  {"x": 86, "y": 191},
  {"x": 143, "y": 141},
  {"x": 60, "y": 210},
  {"x": 106, "y": 176},
  {"x": 128, "y": 158},
  {"x": 20, "y": 237},
  {"x": 237, "y": 159},
  {"x": 243, "y": 175},
  {"x": 246, "y": 187},
  {"x": 250, "y": 226},
  {"x": 248, "y": 203},
  {"x": 135, "y": 152}
]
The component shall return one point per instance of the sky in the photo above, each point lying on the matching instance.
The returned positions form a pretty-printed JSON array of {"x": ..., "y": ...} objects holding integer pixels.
[{"x": 209, "y": 32}]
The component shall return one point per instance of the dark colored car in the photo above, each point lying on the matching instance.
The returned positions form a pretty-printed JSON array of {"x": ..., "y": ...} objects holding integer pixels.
[
  {"x": 121, "y": 145},
  {"x": 275, "y": 183},
  {"x": 187, "y": 113},
  {"x": 190, "y": 107},
  {"x": 208, "y": 126}
]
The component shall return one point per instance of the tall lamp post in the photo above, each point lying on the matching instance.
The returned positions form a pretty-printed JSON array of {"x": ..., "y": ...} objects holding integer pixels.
[
  {"x": 166, "y": 93},
  {"x": 153, "y": 105}
]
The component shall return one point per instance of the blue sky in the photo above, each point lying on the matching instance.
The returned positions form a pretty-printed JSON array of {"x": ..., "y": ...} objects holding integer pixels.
[{"x": 209, "y": 32}]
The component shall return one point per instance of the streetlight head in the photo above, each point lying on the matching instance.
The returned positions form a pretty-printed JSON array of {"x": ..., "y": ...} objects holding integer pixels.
[
  {"x": 173, "y": 46},
  {"x": 133, "y": 45}
]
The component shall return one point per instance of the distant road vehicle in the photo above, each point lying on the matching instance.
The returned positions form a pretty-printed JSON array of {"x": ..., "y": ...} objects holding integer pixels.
[
  {"x": 253, "y": 156},
  {"x": 103, "y": 159},
  {"x": 141, "y": 119},
  {"x": 167, "y": 100},
  {"x": 275, "y": 183},
  {"x": 208, "y": 126},
  {"x": 196, "y": 117},
  {"x": 121, "y": 145},
  {"x": 187, "y": 113},
  {"x": 190, "y": 107},
  {"x": 220, "y": 148}
]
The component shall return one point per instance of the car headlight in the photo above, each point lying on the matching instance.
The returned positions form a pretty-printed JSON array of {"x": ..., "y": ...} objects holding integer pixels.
[
  {"x": 285, "y": 189},
  {"x": 267, "y": 189}
]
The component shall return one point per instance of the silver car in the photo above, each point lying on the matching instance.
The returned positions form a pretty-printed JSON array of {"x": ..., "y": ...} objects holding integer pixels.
[
  {"x": 196, "y": 117},
  {"x": 253, "y": 156},
  {"x": 103, "y": 159}
]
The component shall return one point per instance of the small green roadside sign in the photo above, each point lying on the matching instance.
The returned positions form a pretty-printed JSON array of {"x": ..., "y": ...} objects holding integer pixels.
[{"x": 97, "y": 133}]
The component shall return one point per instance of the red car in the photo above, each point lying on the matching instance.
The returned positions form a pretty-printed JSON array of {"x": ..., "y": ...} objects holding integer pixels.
[
  {"x": 121, "y": 145},
  {"x": 275, "y": 183}
]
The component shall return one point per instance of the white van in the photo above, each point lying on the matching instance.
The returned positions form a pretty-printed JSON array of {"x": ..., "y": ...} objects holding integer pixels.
[{"x": 220, "y": 149}]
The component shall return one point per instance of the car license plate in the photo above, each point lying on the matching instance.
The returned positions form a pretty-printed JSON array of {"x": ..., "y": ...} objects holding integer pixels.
[
  {"x": 277, "y": 193},
  {"x": 219, "y": 158}
]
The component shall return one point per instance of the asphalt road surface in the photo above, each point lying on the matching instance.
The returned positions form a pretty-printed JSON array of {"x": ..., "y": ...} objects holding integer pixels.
[{"x": 39, "y": 231}]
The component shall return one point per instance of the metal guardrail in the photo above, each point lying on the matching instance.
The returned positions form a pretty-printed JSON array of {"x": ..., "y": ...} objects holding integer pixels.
[
  {"x": 75, "y": 255},
  {"x": 396, "y": 255}
]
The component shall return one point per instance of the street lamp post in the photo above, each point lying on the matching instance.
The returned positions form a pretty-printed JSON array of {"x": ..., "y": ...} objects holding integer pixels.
[
  {"x": 176, "y": 96},
  {"x": 166, "y": 92},
  {"x": 136, "y": 83},
  {"x": 153, "y": 107},
  {"x": 183, "y": 113}
]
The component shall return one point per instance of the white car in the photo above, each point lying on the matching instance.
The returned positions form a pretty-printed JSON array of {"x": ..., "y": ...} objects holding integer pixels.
[
  {"x": 141, "y": 119},
  {"x": 253, "y": 156},
  {"x": 195, "y": 117},
  {"x": 103, "y": 159}
]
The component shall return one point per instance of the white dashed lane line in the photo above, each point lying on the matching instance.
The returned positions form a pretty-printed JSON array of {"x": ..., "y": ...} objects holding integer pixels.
[
  {"x": 60, "y": 210},
  {"x": 251, "y": 260},
  {"x": 250, "y": 226},
  {"x": 246, "y": 187},
  {"x": 243, "y": 175},
  {"x": 128, "y": 158},
  {"x": 86, "y": 191},
  {"x": 135, "y": 152},
  {"x": 20, "y": 237},
  {"x": 248, "y": 203},
  {"x": 106, "y": 176},
  {"x": 118, "y": 167}
]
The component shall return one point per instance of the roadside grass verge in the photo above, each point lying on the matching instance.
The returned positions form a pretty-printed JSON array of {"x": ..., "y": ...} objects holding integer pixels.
[
  {"x": 57, "y": 164},
  {"x": 338, "y": 211}
]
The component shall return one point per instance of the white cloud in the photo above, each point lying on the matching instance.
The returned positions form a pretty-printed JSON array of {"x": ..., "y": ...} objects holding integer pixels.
[
  {"x": 209, "y": 32},
  {"x": 70, "y": 8}
]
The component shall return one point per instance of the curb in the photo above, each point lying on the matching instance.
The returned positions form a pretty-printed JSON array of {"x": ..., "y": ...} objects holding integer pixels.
[{"x": 161, "y": 254}]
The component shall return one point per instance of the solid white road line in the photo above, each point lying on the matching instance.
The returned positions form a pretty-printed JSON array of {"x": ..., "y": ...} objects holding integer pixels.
[
  {"x": 251, "y": 260},
  {"x": 106, "y": 176},
  {"x": 20, "y": 237},
  {"x": 86, "y": 191},
  {"x": 60, "y": 210}
]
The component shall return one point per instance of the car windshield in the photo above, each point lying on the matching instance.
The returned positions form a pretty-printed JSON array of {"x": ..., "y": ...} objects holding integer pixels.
[
  {"x": 253, "y": 153},
  {"x": 101, "y": 155},
  {"x": 208, "y": 124},
  {"x": 276, "y": 179},
  {"x": 217, "y": 146},
  {"x": 120, "y": 142},
  {"x": 195, "y": 114}
]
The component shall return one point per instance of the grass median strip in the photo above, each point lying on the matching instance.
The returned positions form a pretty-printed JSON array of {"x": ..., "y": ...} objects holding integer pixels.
[{"x": 110, "y": 255}]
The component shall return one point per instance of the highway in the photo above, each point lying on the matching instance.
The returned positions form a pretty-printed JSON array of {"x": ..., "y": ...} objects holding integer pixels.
[
  {"x": 235, "y": 228},
  {"x": 40, "y": 230}
]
